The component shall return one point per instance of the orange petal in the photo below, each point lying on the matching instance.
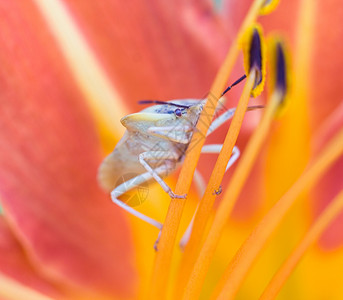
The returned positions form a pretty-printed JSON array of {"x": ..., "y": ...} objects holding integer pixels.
[{"x": 50, "y": 152}]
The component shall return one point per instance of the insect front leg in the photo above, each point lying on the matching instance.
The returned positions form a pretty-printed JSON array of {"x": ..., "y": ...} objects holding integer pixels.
[
  {"x": 130, "y": 184},
  {"x": 216, "y": 148},
  {"x": 125, "y": 187},
  {"x": 199, "y": 181},
  {"x": 224, "y": 117},
  {"x": 168, "y": 157}
]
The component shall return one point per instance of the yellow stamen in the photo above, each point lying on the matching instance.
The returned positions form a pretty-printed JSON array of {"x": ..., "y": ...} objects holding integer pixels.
[
  {"x": 13, "y": 290},
  {"x": 163, "y": 258},
  {"x": 233, "y": 190},
  {"x": 205, "y": 207},
  {"x": 197, "y": 277},
  {"x": 247, "y": 254},
  {"x": 327, "y": 216},
  {"x": 104, "y": 101}
]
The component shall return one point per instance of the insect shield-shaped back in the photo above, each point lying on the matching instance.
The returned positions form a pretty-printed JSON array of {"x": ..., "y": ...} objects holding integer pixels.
[
  {"x": 142, "y": 121},
  {"x": 173, "y": 121},
  {"x": 172, "y": 113}
]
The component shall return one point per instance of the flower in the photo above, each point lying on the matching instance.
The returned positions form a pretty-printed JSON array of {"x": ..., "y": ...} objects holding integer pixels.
[{"x": 71, "y": 69}]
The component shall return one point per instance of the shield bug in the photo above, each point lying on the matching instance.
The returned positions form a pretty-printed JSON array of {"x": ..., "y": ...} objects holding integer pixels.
[{"x": 154, "y": 145}]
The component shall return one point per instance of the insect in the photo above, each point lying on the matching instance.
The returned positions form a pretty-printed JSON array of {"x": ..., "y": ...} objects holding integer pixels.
[{"x": 154, "y": 145}]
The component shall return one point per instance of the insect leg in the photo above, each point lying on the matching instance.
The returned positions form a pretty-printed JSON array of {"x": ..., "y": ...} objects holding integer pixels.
[
  {"x": 185, "y": 238},
  {"x": 160, "y": 155},
  {"x": 227, "y": 115},
  {"x": 200, "y": 183},
  {"x": 216, "y": 148},
  {"x": 128, "y": 185},
  {"x": 206, "y": 149},
  {"x": 224, "y": 117}
]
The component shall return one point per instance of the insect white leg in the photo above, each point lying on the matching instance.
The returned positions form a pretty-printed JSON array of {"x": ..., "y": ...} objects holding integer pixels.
[
  {"x": 216, "y": 148},
  {"x": 198, "y": 178},
  {"x": 157, "y": 240},
  {"x": 126, "y": 186},
  {"x": 199, "y": 182},
  {"x": 206, "y": 149},
  {"x": 224, "y": 117},
  {"x": 159, "y": 155},
  {"x": 234, "y": 156},
  {"x": 185, "y": 238}
]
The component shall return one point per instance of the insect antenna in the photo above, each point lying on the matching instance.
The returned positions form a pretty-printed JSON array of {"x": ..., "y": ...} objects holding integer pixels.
[
  {"x": 253, "y": 107},
  {"x": 162, "y": 102},
  {"x": 188, "y": 106},
  {"x": 232, "y": 85}
]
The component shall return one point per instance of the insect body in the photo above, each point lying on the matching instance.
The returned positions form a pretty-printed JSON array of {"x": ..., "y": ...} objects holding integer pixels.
[
  {"x": 153, "y": 145},
  {"x": 155, "y": 141}
]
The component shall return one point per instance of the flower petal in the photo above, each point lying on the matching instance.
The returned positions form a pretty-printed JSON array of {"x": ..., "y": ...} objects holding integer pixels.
[
  {"x": 327, "y": 61},
  {"x": 332, "y": 183},
  {"x": 50, "y": 152},
  {"x": 14, "y": 264},
  {"x": 155, "y": 50}
]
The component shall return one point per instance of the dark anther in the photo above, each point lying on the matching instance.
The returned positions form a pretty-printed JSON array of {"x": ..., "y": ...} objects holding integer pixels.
[
  {"x": 281, "y": 82},
  {"x": 256, "y": 57}
]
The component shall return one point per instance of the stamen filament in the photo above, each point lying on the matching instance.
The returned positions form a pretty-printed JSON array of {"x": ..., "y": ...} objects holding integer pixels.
[
  {"x": 327, "y": 216},
  {"x": 198, "y": 273},
  {"x": 161, "y": 269},
  {"x": 241, "y": 264}
]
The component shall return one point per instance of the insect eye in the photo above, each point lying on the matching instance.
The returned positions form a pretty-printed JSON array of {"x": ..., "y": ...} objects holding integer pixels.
[{"x": 178, "y": 112}]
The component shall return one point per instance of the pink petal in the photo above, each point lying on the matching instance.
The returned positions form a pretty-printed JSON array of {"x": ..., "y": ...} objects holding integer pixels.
[
  {"x": 328, "y": 61},
  {"x": 14, "y": 263},
  {"x": 155, "y": 49},
  {"x": 50, "y": 152},
  {"x": 332, "y": 182}
]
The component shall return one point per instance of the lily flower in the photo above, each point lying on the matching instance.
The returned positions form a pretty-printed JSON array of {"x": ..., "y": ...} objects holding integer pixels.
[{"x": 71, "y": 69}]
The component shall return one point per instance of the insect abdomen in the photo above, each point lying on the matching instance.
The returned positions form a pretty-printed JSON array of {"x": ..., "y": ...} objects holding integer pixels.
[{"x": 117, "y": 165}]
